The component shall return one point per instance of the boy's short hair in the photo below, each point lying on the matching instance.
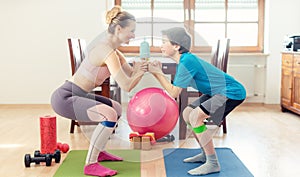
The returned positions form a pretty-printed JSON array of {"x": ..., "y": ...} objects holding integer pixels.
[{"x": 179, "y": 36}]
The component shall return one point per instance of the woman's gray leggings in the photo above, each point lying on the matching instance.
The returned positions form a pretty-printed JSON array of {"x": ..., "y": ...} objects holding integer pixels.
[{"x": 72, "y": 102}]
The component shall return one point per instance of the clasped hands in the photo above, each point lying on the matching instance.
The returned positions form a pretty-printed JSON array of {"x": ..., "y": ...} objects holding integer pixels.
[{"x": 154, "y": 67}]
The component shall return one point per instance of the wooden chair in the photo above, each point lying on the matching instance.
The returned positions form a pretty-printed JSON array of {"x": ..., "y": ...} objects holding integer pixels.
[
  {"x": 77, "y": 55},
  {"x": 219, "y": 58},
  {"x": 221, "y": 61}
]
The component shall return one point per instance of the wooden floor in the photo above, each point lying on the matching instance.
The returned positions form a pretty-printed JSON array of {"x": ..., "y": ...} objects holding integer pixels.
[{"x": 265, "y": 139}]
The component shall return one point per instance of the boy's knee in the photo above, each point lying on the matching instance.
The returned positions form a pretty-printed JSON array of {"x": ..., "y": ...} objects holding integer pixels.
[
  {"x": 196, "y": 117},
  {"x": 186, "y": 113}
]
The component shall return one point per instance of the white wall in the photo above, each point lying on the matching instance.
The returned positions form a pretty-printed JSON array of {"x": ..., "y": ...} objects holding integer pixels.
[
  {"x": 283, "y": 18},
  {"x": 34, "y": 54}
]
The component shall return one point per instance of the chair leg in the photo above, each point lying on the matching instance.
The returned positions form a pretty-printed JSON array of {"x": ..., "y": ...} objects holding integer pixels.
[
  {"x": 224, "y": 126},
  {"x": 72, "y": 126},
  {"x": 118, "y": 95}
]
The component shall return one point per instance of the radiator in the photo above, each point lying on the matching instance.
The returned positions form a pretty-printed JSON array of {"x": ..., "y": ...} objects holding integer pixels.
[{"x": 251, "y": 76}]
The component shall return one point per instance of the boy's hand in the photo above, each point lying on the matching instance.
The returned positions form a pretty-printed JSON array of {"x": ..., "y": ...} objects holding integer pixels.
[{"x": 155, "y": 67}]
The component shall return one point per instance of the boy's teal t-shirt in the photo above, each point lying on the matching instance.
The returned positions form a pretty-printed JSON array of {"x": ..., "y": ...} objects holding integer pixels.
[{"x": 194, "y": 72}]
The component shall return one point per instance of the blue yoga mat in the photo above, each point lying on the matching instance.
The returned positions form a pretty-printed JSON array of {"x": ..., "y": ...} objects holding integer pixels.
[{"x": 231, "y": 165}]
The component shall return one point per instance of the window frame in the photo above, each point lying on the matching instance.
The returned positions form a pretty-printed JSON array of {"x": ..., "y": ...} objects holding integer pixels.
[{"x": 189, "y": 6}]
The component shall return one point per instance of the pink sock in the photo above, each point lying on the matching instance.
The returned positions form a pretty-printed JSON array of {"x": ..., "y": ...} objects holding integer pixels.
[
  {"x": 95, "y": 169},
  {"x": 105, "y": 156}
]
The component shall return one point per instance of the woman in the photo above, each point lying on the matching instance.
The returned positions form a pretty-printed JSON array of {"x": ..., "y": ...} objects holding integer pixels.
[
  {"x": 73, "y": 99},
  {"x": 221, "y": 93}
]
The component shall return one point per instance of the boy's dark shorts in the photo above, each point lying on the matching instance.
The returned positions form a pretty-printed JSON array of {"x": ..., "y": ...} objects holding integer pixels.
[{"x": 217, "y": 106}]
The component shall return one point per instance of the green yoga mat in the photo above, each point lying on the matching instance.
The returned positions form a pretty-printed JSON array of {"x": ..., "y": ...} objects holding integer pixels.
[{"x": 73, "y": 164}]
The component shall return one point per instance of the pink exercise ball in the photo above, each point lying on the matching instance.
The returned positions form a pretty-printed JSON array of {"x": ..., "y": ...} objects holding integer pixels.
[{"x": 152, "y": 110}]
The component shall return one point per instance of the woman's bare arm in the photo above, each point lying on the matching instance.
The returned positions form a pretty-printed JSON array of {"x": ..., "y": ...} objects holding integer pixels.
[{"x": 125, "y": 81}]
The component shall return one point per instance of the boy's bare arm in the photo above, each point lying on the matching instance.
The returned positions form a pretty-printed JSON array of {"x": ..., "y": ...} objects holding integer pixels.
[{"x": 155, "y": 69}]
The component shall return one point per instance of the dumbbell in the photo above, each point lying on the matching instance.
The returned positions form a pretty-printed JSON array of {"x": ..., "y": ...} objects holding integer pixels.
[
  {"x": 56, "y": 155},
  {"x": 167, "y": 138},
  {"x": 28, "y": 159}
]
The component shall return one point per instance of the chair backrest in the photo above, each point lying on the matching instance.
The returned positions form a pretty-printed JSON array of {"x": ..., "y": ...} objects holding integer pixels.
[
  {"x": 82, "y": 45},
  {"x": 214, "y": 53},
  {"x": 77, "y": 52},
  {"x": 221, "y": 60}
]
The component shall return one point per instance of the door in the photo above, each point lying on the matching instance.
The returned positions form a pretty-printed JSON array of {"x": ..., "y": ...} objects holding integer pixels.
[
  {"x": 296, "y": 83},
  {"x": 286, "y": 80}
]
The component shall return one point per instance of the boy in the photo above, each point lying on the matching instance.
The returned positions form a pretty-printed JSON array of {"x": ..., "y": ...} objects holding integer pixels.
[{"x": 221, "y": 93}]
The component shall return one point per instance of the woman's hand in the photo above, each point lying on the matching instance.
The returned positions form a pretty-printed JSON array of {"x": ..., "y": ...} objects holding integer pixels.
[{"x": 140, "y": 66}]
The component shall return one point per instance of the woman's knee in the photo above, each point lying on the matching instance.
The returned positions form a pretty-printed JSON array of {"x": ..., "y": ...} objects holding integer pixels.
[
  {"x": 102, "y": 112},
  {"x": 117, "y": 107}
]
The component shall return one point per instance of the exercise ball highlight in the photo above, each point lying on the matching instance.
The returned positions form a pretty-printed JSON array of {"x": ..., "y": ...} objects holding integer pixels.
[{"x": 152, "y": 110}]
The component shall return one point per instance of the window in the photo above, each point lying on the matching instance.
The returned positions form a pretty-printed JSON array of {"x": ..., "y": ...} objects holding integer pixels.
[{"x": 207, "y": 20}]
